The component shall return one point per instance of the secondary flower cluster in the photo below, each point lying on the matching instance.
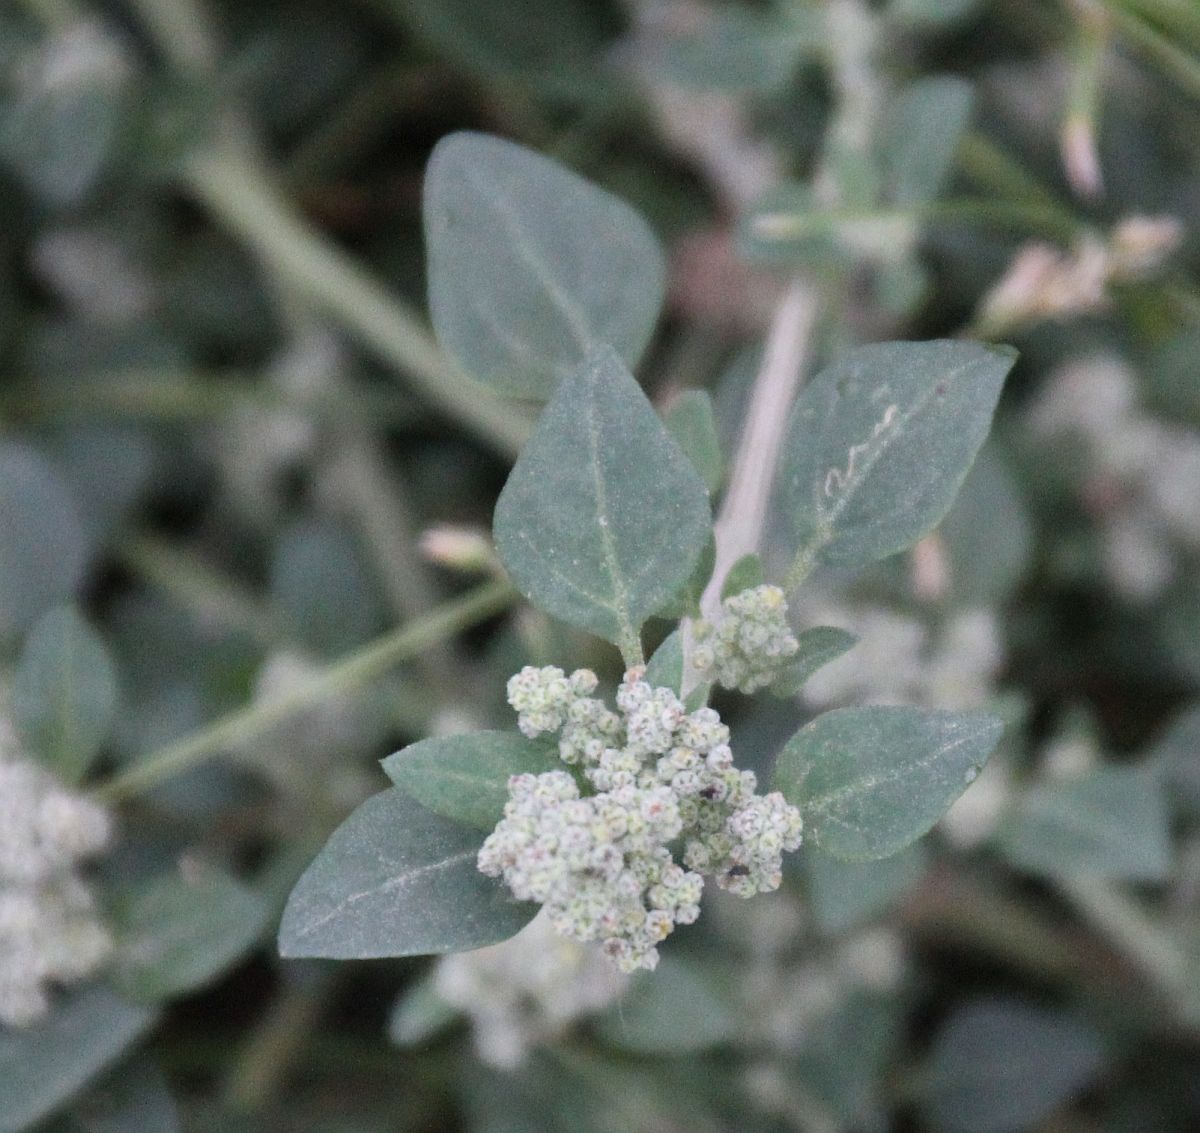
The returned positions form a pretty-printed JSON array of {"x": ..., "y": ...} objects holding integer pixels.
[
  {"x": 49, "y": 931},
  {"x": 749, "y": 643},
  {"x": 601, "y": 863}
]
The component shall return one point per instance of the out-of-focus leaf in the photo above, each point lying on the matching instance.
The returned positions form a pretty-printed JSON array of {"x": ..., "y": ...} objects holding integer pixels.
[
  {"x": 531, "y": 268},
  {"x": 1177, "y": 755},
  {"x": 133, "y": 1098},
  {"x": 919, "y": 135},
  {"x": 678, "y": 1007},
  {"x": 397, "y": 880},
  {"x": 1111, "y": 823},
  {"x": 844, "y": 895},
  {"x": 64, "y": 693},
  {"x": 43, "y": 548},
  {"x": 1001, "y": 1066},
  {"x": 690, "y": 421},
  {"x": 183, "y": 930},
  {"x": 44, "y": 1065}
]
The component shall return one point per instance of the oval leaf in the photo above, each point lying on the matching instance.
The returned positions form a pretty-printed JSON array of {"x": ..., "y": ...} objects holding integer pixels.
[
  {"x": 1111, "y": 823},
  {"x": 603, "y": 517},
  {"x": 1002, "y": 1066},
  {"x": 465, "y": 777},
  {"x": 181, "y": 932},
  {"x": 869, "y": 781},
  {"x": 879, "y": 444},
  {"x": 64, "y": 693},
  {"x": 43, "y": 549},
  {"x": 816, "y": 648},
  {"x": 531, "y": 267},
  {"x": 397, "y": 880},
  {"x": 44, "y": 1065}
]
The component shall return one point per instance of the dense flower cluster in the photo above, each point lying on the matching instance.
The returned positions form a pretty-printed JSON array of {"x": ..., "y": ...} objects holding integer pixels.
[
  {"x": 49, "y": 931},
  {"x": 527, "y": 989},
  {"x": 747, "y": 645},
  {"x": 600, "y": 863}
]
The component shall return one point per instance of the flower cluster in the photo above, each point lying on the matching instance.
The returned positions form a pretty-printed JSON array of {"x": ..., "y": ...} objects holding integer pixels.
[
  {"x": 601, "y": 863},
  {"x": 49, "y": 931},
  {"x": 749, "y": 642}
]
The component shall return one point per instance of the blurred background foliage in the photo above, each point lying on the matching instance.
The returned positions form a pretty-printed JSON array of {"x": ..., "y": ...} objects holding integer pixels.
[{"x": 231, "y": 449}]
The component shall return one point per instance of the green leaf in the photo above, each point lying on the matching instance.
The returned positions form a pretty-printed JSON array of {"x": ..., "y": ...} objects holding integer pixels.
[
  {"x": 1111, "y": 823},
  {"x": 665, "y": 667},
  {"x": 745, "y": 574},
  {"x": 133, "y": 1098},
  {"x": 870, "y": 781},
  {"x": 844, "y": 895},
  {"x": 64, "y": 693},
  {"x": 1177, "y": 753},
  {"x": 419, "y": 1014},
  {"x": 879, "y": 444},
  {"x": 531, "y": 267},
  {"x": 1003, "y": 1066},
  {"x": 817, "y": 647},
  {"x": 465, "y": 777},
  {"x": 926, "y": 15},
  {"x": 603, "y": 518},
  {"x": 397, "y": 880},
  {"x": 182, "y": 931},
  {"x": 919, "y": 137},
  {"x": 43, "y": 548},
  {"x": 685, "y": 602},
  {"x": 677, "y": 1008},
  {"x": 44, "y": 1065},
  {"x": 690, "y": 421}
]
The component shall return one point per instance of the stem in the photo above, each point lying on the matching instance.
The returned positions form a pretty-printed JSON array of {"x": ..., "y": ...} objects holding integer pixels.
[
  {"x": 1125, "y": 923},
  {"x": 199, "y": 587},
  {"x": 241, "y": 198},
  {"x": 248, "y": 723},
  {"x": 1175, "y": 63}
]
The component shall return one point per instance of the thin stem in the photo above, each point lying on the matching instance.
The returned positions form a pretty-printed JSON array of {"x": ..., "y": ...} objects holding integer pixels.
[
  {"x": 242, "y": 199},
  {"x": 199, "y": 587},
  {"x": 360, "y": 668},
  {"x": 1175, "y": 63},
  {"x": 1127, "y": 926}
]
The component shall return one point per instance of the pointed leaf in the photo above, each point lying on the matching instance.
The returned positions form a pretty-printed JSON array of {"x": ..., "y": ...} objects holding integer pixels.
[
  {"x": 603, "y": 518},
  {"x": 397, "y": 880},
  {"x": 745, "y": 574},
  {"x": 465, "y": 777},
  {"x": 870, "y": 781},
  {"x": 879, "y": 444},
  {"x": 64, "y": 693},
  {"x": 532, "y": 267},
  {"x": 665, "y": 667},
  {"x": 817, "y": 647}
]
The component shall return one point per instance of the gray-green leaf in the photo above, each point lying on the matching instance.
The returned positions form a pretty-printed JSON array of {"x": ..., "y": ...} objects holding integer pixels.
[
  {"x": 1001, "y": 1066},
  {"x": 1111, "y": 823},
  {"x": 679, "y": 1007},
  {"x": 181, "y": 932},
  {"x": 465, "y": 777},
  {"x": 44, "y": 1065},
  {"x": 870, "y": 781},
  {"x": 665, "y": 667},
  {"x": 397, "y": 880},
  {"x": 603, "y": 518},
  {"x": 817, "y": 647},
  {"x": 133, "y": 1098},
  {"x": 64, "y": 693},
  {"x": 920, "y": 134},
  {"x": 879, "y": 443},
  {"x": 531, "y": 267},
  {"x": 691, "y": 422}
]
